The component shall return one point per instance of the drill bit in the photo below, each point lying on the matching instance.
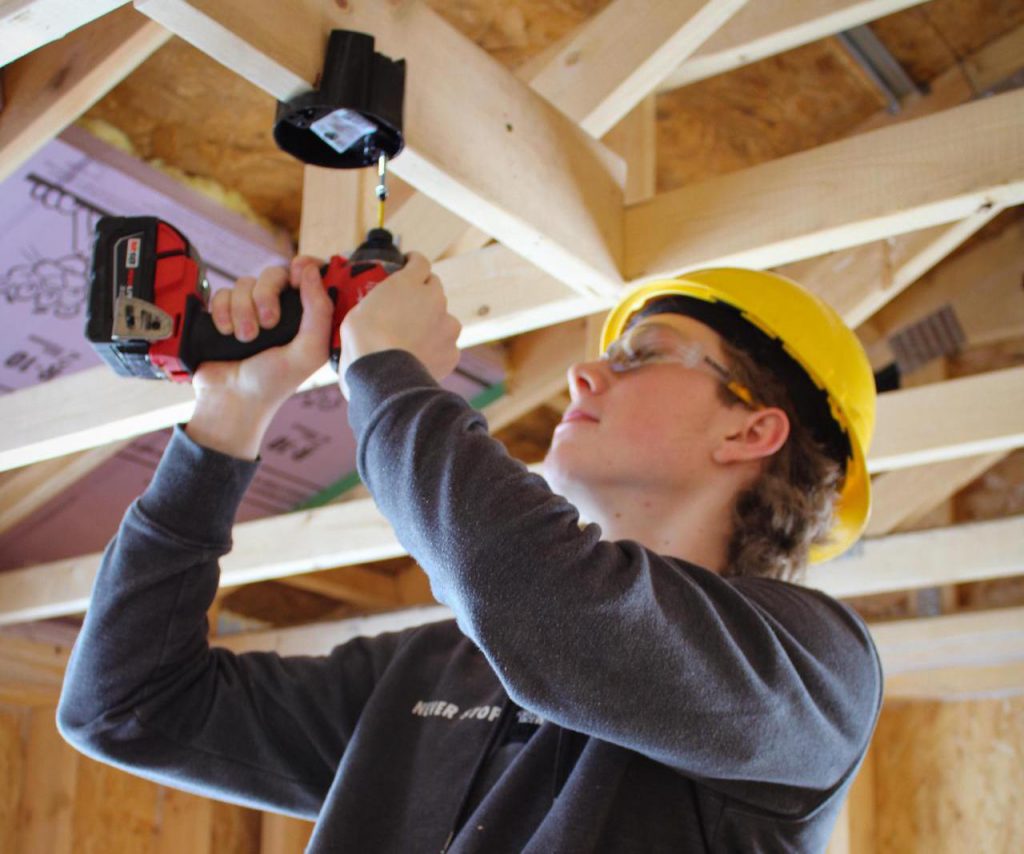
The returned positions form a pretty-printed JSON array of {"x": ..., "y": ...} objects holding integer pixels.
[{"x": 382, "y": 187}]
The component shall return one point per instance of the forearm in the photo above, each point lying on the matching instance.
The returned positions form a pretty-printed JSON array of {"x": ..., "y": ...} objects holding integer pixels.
[{"x": 156, "y": 580}]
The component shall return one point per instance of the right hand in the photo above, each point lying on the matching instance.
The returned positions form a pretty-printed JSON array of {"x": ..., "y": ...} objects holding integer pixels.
[{"x": 235, "y": 401}]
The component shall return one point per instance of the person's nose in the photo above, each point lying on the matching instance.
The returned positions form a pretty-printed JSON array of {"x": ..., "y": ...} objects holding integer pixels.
[{"x": 588, "y": 378}]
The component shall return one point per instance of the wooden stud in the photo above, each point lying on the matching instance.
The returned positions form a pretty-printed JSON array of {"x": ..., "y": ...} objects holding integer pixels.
[
  {"x": 858, "y": 282},
  {"x": 185, "y": 823},
  {"x": 13, "y": 721},
  {"x": 334, "y": 215},
  {"x": 97, "y": 407},
  {"x": 47, "y": 90},
  {"x": 31, "y": 673},
  {"x": 281, "y": 834},
  {"x": 47, "y": 804}
]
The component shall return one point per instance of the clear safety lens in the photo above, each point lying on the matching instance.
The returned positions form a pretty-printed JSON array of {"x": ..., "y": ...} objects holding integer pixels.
[{"x": 652, "y": 343}]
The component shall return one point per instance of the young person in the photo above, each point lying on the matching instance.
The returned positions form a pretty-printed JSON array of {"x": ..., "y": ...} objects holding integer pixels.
[{"x": 643, "y": 681}]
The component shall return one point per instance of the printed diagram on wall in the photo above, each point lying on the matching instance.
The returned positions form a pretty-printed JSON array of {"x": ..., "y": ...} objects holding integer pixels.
[{"x": 48, "y": 213}]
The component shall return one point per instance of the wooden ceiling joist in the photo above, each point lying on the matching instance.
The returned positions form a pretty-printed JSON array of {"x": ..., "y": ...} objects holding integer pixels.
[
  {"x": 768, "y": 27},
  {"x": 932, "y": 558},
  {"x": 963, "y": 417},
  {"x": 979, "y": 414},
  {"x": 619, "y": 56},
  {"x": 27, "y": 25},
  {"x": 595, "y": 77},
  {"x": 24, "y": 491},
  {"x": 860, "y": 281},
  {"x": 47, "y": 90},
  {"x": 902, "y": 496},
  {"x": 477, "y": 139},
  {"x": 355, "y": 533},
  {"x": 918, "y": 174},
  {"x": 957, "y": 656},
  {"x": 981, "y": 286}
]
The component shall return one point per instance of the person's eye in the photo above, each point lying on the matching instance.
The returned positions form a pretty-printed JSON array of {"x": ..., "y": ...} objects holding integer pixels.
[{"x": 644, "y": 354}]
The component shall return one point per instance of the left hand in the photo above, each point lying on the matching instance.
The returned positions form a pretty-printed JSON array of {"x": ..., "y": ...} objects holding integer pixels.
[{"x": 407, "y": 311}]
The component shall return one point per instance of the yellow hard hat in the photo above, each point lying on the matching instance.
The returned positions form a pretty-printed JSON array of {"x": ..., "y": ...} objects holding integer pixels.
[{"x": 806, "y": 343}]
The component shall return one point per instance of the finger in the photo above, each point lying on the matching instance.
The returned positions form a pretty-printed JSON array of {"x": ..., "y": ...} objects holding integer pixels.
[
  {"x": 417, "y": 268},
  {"x": 243, "y": 312},
  {"x": 266, "y": 295},
  {"x": 317, "y": 308},
  {"x": 220, "y": 311},
  {"x": 299, "y": 263}
]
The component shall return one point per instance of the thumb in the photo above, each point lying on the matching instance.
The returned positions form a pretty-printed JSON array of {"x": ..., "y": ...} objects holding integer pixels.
[{"x": 317, "y": 308}]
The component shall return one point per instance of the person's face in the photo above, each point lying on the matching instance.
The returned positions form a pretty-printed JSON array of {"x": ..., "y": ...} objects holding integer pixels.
[{"x": 652, "y": 424}]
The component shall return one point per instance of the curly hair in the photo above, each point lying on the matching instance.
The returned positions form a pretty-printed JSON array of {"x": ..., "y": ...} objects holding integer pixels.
[{"x": 789, "y": 507}]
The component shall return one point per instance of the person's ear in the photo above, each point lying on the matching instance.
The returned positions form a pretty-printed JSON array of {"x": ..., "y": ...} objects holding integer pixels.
[{"x": 759, "y": 435}]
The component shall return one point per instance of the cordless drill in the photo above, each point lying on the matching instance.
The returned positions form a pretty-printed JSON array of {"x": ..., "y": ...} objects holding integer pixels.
[{"x": 148, "y": 299}]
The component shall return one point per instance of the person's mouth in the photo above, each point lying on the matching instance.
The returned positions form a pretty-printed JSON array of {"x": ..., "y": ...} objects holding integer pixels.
[{"x": 576, "y": 414}]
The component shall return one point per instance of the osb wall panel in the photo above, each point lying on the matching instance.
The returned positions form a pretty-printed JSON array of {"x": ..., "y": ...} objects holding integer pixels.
[
  {"x": 11, "y": 772},
  {"x": 53, "y": 800},
  {"x": 930, "y": 38},
  {"x": 781, "y": 105},
  {"x": 949, "y": 777}
]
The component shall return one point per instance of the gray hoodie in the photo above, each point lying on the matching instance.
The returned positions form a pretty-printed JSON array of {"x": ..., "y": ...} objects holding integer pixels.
[{"x": 590, "y": 696}]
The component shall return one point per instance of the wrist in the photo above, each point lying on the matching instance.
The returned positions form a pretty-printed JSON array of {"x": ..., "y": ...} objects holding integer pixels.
[{"x": 230, "y": 423}]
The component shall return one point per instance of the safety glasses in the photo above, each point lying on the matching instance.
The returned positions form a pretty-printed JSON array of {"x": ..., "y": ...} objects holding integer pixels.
[{"x": 659, "y": 343}]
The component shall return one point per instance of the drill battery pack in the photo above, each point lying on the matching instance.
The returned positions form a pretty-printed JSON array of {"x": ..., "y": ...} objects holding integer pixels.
[{"x": 145, "y": 278}]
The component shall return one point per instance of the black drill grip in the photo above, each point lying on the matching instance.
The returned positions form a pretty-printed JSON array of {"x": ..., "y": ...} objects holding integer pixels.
[{"x": 201, "y": 342}]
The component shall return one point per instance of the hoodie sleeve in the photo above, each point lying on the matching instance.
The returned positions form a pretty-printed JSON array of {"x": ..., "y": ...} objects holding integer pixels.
[
  {"x": 734, "y": 681},
  {"x": 143, "y": 689}
]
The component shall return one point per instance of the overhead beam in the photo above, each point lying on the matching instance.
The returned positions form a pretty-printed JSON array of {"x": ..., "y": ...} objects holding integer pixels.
[
  {"x": 768, "y": 27},
  {"x": 47, "y": 90},
  {"x": 507, "y": 169},
  {"x": 27, "y": 25},
  {"x": 959, "y": 656},
  {"x": 982, "y": 286},
  {"x": 355, "y": 533},
  {"x": 932, "y": 558},
  {"x": 614, "y": 60},
  {"x": 365, "y": 587},
  {"x": 893, "y": 180},
  {"x": 950, "y": 657},
  {"x": 595, "y": 76},
  {"x": 901, "y": 496},
  {"x": 979, "y": 414},
  {"x": 24, "y": 491},
  {"x": 858, "y": 282}
]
